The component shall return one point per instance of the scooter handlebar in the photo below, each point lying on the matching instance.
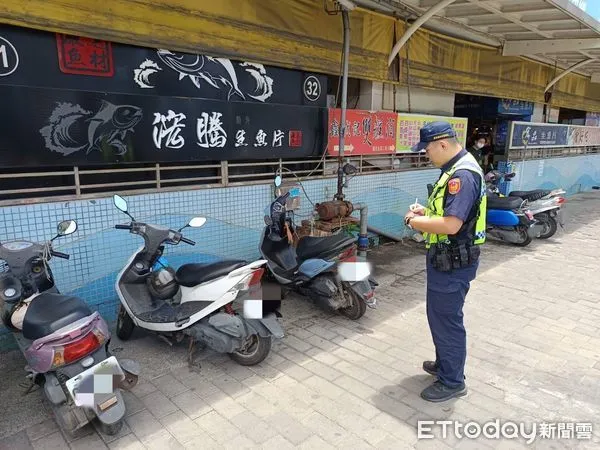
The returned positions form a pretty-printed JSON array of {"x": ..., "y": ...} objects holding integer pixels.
[
  {"x": 123, "y": 227},
  {"x": 187, "y": 241},
  {"x": 59, "y": 254}
]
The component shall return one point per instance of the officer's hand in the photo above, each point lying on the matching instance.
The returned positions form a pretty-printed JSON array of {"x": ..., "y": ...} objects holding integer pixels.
[{"x": 417, "y": 209}]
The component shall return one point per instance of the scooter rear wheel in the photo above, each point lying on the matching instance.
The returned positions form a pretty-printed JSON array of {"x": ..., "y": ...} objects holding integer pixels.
[
  {"x": 111, "y": 430},
  {"x": 357, "y": 309},
  {"x": 550, "y": 227},
  {"x": 526, "y": 239},
  {"x": 125, "y": 324},
  {"x": 254, "y": 353}
]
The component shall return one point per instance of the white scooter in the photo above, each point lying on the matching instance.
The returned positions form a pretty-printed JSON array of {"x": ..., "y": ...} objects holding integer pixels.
[{"x": 194, "y": 301}]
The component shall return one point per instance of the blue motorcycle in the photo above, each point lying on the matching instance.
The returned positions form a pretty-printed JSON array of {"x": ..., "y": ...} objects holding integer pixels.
[{"x": 509, "y": 220}]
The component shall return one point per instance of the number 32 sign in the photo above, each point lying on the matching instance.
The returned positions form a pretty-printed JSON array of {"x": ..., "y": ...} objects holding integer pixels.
[
  {"x": 9, "y": 58},
  {"x": 312, "y": 88}
]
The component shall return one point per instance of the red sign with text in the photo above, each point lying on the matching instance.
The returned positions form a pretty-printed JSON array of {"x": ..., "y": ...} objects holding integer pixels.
[
  {"x": 367, "y": 132},
  {"x": 84, "y": 56}
]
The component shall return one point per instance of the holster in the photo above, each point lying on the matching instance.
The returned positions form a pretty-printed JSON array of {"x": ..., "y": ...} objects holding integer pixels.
[{"x": 448, "y": 257}]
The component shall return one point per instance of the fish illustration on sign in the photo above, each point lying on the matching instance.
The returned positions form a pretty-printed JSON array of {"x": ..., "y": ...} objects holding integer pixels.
[
  {"x": 72, "y": 128},
  {"x": 142, "y": 74},
  {"x": 216, "y": 72}
]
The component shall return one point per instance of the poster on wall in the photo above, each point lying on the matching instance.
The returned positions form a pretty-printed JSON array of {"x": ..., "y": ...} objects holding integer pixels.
[
  {"x": 49, "y": 127},
  {"x": 409, "y": 125},
  {"x": 367, "y": 132}
]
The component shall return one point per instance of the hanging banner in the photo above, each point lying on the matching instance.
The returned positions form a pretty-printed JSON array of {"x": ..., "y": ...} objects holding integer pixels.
[
  {"x": 409, "y": 126},
  {"x": 367, "y": 132},
  {"x": 50, "y": 127}
]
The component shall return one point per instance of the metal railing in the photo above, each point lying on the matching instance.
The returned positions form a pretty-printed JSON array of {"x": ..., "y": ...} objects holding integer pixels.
[
  {"x": 80, "y": 183},
  {"x": 48, "y": 185},
  {"x": 548, "y": 153}
]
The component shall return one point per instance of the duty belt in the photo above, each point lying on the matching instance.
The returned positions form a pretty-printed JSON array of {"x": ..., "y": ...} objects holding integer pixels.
[{"x": 448, "y": 257}]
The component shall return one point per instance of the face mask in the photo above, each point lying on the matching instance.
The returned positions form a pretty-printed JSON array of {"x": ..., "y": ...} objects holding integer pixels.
[{"x": 479, "y": 145}]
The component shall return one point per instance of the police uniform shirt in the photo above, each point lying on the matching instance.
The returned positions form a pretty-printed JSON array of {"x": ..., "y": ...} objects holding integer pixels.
[{"x": 462, "y": 192}]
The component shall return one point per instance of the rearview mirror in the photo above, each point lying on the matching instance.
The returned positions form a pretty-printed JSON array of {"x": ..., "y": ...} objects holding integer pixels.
[
  {"x": 278, "y": 180},
  {"x": 197, "y": 222},
  {"x": 66, "y": 227},
  {"x": 120, "y": 203}
]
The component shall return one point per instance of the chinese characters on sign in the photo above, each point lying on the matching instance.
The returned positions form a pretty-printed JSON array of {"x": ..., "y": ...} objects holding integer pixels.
[
  {"x": 211, "y": 134},
  {"x": 579, "y": 136},
  {"x": 84, "y": 56},
  {"x": 168, "y": 128},
  {"x": 367, "y": 132},
  {"x": 409, "y": 126},
  {"x": 537, "y": 135},
  {"x": 517, "y": 107}
]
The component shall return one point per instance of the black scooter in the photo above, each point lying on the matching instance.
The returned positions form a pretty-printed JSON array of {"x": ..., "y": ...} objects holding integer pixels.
[{"x": 323, "y": 269}]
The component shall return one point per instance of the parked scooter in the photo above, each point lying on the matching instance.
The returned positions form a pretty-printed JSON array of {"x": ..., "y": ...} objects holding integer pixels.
[
  {"x": 545, "y": 205},
  {"x": 508, "y": 220},
  {"x": 64, "y": 342},
  {"x": 312, "y": 269},
  {"x": 194, "y": 301}
]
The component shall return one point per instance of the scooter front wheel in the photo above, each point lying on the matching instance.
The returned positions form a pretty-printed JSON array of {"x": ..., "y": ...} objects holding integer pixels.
[
  {"x": 254, "y": 352},
  {"x": 357, "y": 308},
  {"x": 125, "y": 324}
]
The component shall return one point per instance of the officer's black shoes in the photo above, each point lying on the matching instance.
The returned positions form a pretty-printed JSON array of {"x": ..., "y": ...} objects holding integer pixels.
[
  {"x": 430, "y": 367},
  {"x": 439, "y": 392}
]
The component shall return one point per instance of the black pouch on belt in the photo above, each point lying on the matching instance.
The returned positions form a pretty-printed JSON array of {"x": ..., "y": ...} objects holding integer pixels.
[{"x": 442, "y": 258}]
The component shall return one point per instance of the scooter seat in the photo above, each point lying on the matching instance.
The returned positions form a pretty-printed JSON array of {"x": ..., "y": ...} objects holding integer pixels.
[
  {"x": 503, "y": 203},
  {"x": 48, "y": 313},
  {"x": 313, "y": 247},
  {"x": 190, "y": 275},
  {"x": 530, "y": 195}
]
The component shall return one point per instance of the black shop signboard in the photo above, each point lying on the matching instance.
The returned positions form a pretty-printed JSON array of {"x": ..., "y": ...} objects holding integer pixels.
[{"x": 72, "y": 101}]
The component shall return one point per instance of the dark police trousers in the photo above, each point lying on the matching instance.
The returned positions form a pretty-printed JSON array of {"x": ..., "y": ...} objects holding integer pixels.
[{"x": 446, "y": 292}]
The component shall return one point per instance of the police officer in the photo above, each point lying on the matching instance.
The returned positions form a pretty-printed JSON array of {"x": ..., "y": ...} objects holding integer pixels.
[{"x": 453, "y": 225}]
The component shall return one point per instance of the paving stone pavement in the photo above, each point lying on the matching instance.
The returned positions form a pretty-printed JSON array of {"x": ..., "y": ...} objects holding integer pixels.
[{"x": 532, "y": 319}]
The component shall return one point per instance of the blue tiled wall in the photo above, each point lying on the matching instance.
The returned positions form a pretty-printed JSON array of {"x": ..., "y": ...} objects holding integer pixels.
[
  {"x": 235, "y": 221},
  {"x": 573, "y": 174}
]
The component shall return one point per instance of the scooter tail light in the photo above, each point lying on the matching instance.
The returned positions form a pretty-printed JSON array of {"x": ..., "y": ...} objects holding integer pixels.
[
  {"x": 83, "y": 347},
  {"x": 256, "y": 277},
  {"x": 251, "y": 280},
  {"x": 348, "y": 255},
  {"x": 561, "y": 200}
]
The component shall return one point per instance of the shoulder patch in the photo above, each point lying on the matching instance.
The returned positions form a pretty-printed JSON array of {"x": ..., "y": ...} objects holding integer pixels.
[{"x": 454, "y": 186}]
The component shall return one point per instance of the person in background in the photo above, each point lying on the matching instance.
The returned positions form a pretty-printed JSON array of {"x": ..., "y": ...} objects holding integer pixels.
[{"x": 476, "y": 149}]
